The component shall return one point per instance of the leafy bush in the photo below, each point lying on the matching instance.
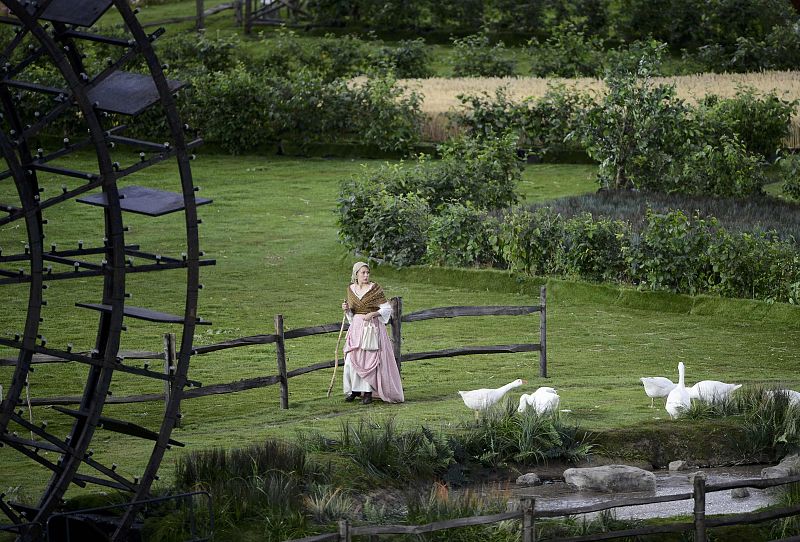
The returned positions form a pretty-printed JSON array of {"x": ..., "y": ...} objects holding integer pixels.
[
  {"x": 790, "y": 169},
  {"x": 636, "y": 131},
  {"x": 759, "y": 122},
  {"x": 568, "y": 52},
  {"x": 474, "y": 56},
  {"x": 670, "y": 254},
  {"x": 408, "y": 59},
  {"x": 727, "y": 170},
  {"x": 186, "y": 53},
  {"x": 532, "y": 242},
  {"x": 463, "y": 236},
  {"x": 594, "y": 249}
]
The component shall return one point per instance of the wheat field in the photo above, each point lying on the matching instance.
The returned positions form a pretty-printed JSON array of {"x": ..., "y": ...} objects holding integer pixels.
[{"x": 440, "y": 94}]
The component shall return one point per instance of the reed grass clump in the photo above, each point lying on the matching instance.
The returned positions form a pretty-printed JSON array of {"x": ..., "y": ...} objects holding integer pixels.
[{"x": 502, "y": 435}]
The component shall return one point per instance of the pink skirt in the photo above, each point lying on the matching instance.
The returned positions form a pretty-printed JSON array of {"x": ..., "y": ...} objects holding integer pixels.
[{"x": 377, "y": 367}]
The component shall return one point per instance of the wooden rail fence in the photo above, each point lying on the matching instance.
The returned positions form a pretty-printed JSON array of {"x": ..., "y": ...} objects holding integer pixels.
[
  {"x": 281, "y": 336},
  {"x": 528, "y": 515}
]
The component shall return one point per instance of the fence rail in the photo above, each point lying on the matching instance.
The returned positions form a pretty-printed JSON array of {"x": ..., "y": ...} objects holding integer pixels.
[
  {"x": 281, "y": 336},
  {"x": 528, "y": 515}
]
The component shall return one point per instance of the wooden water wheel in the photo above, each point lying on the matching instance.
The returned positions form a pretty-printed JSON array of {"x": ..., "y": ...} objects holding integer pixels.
[{"x": 46, "y": 79}]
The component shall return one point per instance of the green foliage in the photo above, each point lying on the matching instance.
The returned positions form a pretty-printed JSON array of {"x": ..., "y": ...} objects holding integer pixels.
[
  {"x": 442, "y": 504},
  {"x": 385, "y": 214},
  {"x": 474, "y": 56},
  {"x": 532, "y": 241},
  {"x": 406, "y": 59},
  {"x": 199, "y": 51},
  {"x": 671, "y": 253},
  {"x": 502, "y": 435},
  {"x": 635, "y": 131},
  {"x": 759, "y": 122},
  {"x": 386, "y": 453},
  {"x": 790, "y": 169},
  {"x": 727, "y": 170},
  {"x": 594, "y": 249},
  {"x": 568, "y": 52},
  {"x": 463, "y": 236}
]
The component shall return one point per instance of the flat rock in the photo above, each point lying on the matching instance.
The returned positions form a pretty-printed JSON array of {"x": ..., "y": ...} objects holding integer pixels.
[
  {"x": 789, "y": 466},
  {"x": 529, "y": 479},
  {"x": 678, "y": 465},
  {"x": 740, "y": 493},
  {"x": 611, "y": 478}
]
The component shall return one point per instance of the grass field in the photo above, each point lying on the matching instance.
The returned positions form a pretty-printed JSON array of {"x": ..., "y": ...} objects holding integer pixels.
[{"x": 272, "y": 231}]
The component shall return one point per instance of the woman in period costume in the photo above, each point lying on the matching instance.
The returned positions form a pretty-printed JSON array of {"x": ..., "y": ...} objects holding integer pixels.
[{"x": 369, "y": 371}]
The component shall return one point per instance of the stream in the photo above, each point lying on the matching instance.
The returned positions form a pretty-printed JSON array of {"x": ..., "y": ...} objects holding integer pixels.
[{"x": 557, "y": 494}]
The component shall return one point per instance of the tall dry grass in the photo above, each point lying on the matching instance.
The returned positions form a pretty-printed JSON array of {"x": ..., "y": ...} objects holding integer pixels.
[{"x": 440, "y": 94}]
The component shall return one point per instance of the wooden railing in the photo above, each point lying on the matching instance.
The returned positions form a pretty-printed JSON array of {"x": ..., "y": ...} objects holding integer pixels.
[
  {"x": 528, "y": 515},
  {"x": 281, "y": 336}
]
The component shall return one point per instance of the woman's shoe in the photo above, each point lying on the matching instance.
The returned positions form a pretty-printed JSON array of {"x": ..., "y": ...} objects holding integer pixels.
[
  {"x": 351, "y": 397},
  {"x": 367, "y": 398}
]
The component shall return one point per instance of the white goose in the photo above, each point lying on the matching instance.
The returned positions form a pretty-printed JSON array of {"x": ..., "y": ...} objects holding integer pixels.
[
  {"x": 544, "y": 399},
  {"x": 793, "y": 396},
  {"x": 678, "y": 399},
  {"x": 657, "y": 386},
  {"x": 484, "y": 398},
  {"x": 712, "y": 390}
]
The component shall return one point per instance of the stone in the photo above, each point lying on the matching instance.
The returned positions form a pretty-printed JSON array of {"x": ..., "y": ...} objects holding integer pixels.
[
  {"x": 740, "y": 493},
  {"x": 789, "y": 466},
  {"x": 529, "y": 479},
  {"x": 611, "y": 478},
  {"x": 678, "y": 465}
]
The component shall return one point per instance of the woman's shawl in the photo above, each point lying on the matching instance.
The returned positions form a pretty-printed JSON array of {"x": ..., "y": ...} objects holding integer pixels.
[{"x": 370, "y": 302}]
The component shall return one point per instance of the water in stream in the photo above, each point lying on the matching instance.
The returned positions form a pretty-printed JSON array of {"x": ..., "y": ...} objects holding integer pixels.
[{"x": 558, "y": 494}]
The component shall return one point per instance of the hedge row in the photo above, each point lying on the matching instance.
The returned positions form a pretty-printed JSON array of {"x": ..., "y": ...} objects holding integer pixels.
[
  {"x": 644, "y": 136},
  {"x": 672, "y": 251}
]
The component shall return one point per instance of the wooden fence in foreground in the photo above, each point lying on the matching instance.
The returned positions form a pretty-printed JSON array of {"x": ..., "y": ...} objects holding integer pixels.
[
  {"x": 528, "y": 515},
  {"x": 281, "y": 336}
]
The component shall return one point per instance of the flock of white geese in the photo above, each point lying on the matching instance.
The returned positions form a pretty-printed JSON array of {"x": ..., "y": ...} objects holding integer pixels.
[{"x": 679, "y": 397}]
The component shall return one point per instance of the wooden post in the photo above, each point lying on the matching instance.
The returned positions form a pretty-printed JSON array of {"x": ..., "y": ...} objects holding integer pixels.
[
  {"x": 248, "y": 13},
  {"x": 699, "y": 507},
  {"x": 528, "y": 526},
  {"x": 344, "y": 531},
  {"x": 199, "y": 22},
  {"x": 543, "y": 332},
  {"x": 169, "y": 370},
  {"x": 237, "y": 13},
  {"x": 281, "y": 352},
  {"x": 396, "y": 323}
]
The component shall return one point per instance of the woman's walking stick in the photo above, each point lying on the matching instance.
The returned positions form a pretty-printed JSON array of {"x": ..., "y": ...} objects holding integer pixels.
[{"x": 336, "y": 355}]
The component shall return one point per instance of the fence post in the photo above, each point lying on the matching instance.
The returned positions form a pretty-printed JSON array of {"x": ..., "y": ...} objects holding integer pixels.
[
  {"x": 281, "y": 353},
  {"x": 169, "y": 370},
  {"x": 248, "y": 14},
  {"x": 199, "y": 23},
  {"x": 543, "y": 332},
  {"x": 528, "y": 525},
  {"x": 699, "y": 507},
  {"x": 344, "y": 531},
  {"x": 396, "y": 323}
]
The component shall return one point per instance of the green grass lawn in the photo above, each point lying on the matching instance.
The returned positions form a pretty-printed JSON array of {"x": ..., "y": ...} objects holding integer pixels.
[{"x": 272, "y": 231}]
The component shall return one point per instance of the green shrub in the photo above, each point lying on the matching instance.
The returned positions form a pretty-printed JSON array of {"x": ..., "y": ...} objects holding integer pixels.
[
  {"x": 636, "y": 131},
  {"x": 594, "y": 248},
  {"x": 532, "y": 242},
  {"x": 568, "y": 52},
  {"x": 474, "y": 56},
  {"x": 790, "y": 171},
  {"x": 400, "y": 229},
  {"x": 407, "y": 59},
  {"x": 671, "y": 253},
  {"x": 463, "y": 236},
  {"x": 760, "y": 122},
  {"x": 187, "y": 52},
  {"x": 726, "y": 170},
  {"x": 231, "y": 109}
]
